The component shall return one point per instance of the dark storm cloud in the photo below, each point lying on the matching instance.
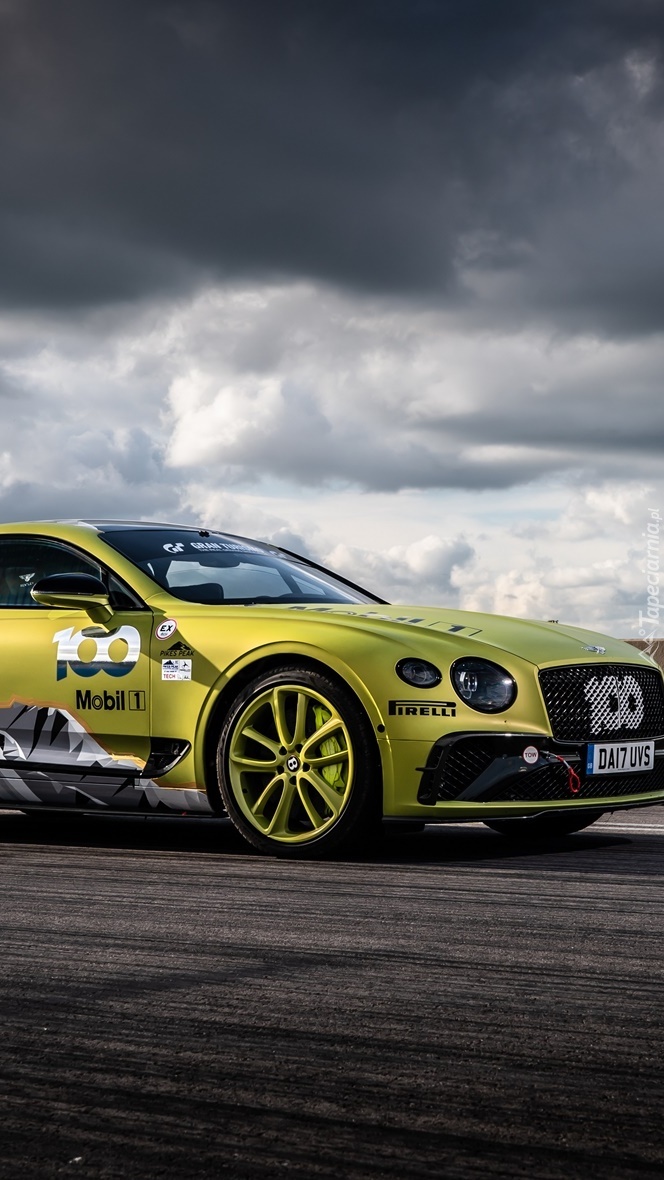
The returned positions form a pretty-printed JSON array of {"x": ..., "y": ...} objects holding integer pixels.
[
  {"x": 401, "y": 146},
  {"x": 584, "y": 419}
]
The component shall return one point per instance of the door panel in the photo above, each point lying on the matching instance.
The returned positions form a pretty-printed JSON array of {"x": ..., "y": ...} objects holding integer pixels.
[
  {"x": 74, "y": 696},
  {"x": 74, "y": 709},
  {"x": 96, "y": 681}
]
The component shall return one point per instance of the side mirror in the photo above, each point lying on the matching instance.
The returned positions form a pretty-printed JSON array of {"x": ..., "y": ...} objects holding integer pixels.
[{"x": 74, "y": 592}]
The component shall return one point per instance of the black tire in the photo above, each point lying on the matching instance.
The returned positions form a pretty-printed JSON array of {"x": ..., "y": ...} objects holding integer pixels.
[
  {"x": 277, "y": 727},
  {"x": 543, "y": 827}
]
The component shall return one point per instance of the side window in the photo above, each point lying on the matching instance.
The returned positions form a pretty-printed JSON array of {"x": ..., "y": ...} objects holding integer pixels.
[
  {"x": 121, "y": 598},
  {"x": 23, "y": 561}
]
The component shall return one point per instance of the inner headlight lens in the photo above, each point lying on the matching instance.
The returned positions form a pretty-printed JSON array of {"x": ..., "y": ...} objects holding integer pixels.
[
  {"x": 419, "y": 673},
  {"x": 483, "y": 685}
]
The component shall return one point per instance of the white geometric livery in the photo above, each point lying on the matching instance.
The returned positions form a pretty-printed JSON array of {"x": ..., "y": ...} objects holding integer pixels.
[{"x": 614, "y": 703}]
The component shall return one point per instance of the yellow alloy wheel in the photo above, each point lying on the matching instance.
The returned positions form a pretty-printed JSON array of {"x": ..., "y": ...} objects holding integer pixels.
[{"x": 290, "y": 763}]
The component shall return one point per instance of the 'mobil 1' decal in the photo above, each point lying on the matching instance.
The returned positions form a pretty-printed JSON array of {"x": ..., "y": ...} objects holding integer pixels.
[{"x": 70, "y": 641}]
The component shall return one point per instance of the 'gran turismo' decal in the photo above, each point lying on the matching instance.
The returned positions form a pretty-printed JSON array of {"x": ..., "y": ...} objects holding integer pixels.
[
  {"x": 222, "y": 547},
  {"x": 178, "y": 547},
  {"x": 70, "y": 641}
]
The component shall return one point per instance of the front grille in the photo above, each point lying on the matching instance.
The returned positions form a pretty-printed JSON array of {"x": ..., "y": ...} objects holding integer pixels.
[{"x": 588, "y": 702}]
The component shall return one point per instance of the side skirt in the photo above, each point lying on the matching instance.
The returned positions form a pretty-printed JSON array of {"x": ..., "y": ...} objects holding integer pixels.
[{"x": 23, "y": 786}]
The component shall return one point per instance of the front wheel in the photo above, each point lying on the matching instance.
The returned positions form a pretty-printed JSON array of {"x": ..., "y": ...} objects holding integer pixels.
[
  {"x": 297, "y": 767},
  {"x": 543, "y": 827}
]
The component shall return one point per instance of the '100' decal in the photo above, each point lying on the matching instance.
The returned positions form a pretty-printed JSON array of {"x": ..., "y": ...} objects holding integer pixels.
[{"x": 70, "y": 641}]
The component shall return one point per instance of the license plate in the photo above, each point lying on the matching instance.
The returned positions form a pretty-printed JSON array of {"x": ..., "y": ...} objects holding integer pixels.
[{"x": 620, "y": 757}]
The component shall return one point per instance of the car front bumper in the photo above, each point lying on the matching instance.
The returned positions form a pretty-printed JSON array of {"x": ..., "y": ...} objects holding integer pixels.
[{"x": 476, "y": 775}]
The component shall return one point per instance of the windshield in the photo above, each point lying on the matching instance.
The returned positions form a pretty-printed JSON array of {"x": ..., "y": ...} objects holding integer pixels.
[{"x": 216, "y": 568}]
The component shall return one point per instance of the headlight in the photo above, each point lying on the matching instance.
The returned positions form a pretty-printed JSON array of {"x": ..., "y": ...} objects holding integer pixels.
[
  {"x": 419, "y": 673},
  {"x": 483, "y": 685}
]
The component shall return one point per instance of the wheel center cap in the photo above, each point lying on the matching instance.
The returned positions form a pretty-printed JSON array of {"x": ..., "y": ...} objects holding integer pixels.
[{"x": 293, "y": 763}]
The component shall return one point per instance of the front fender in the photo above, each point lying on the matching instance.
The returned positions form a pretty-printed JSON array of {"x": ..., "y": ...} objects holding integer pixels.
[{"x": 232, "y": 680}]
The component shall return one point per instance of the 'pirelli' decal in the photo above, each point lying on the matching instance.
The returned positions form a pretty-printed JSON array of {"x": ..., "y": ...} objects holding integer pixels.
[{"x": 419, "y": 709}]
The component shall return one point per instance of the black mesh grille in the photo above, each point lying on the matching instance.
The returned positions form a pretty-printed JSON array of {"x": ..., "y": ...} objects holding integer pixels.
[
  {"x": 454, "y": 768},
  {"x": 552, "y": 783},
  {"x": 464, "y": 763},
  {"x": 610, "y": 701}
]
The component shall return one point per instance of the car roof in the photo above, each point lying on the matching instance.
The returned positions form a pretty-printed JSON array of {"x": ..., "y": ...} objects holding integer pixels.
[{"x": 118, "y": 525}]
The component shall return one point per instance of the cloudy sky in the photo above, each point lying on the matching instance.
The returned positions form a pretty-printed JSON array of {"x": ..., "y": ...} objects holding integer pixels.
[{"x": 382, "y": 280}]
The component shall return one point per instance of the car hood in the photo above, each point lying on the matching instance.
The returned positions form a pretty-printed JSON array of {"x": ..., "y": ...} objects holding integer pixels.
[{"x": 538, "y": 642}]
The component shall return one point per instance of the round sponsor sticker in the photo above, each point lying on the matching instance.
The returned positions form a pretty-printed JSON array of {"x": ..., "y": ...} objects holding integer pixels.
[
  {"x": 166, "y": 628},
  {"x": 530, "y": 755}
]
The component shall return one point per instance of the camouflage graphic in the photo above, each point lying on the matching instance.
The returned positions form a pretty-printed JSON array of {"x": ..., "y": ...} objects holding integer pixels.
[
  {"x": 36, "y": 740},
  {"x": 39, "y": 734}
]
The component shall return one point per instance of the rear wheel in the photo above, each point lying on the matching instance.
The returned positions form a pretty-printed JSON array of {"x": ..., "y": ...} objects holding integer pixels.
[
  {"x": 542, "y": 827},
  {"x": 297, "y": 768}
]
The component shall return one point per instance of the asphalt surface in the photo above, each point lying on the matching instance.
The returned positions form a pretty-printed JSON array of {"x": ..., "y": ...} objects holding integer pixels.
[{"x": 173, "y": 1005}]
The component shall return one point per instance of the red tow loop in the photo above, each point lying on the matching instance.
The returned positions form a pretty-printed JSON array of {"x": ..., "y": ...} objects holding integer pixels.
[{"x": 573, "y": 780}]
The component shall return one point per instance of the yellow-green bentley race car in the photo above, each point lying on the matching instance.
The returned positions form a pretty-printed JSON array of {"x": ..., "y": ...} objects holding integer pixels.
[{"x": 149, "y": 668}]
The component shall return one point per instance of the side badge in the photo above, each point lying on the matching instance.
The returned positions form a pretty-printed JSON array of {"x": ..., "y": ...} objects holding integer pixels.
[
  {"x": 166, "y": 628},
  {"x": 176, "y": 669},
  {"x": 70, "y": 641}
]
